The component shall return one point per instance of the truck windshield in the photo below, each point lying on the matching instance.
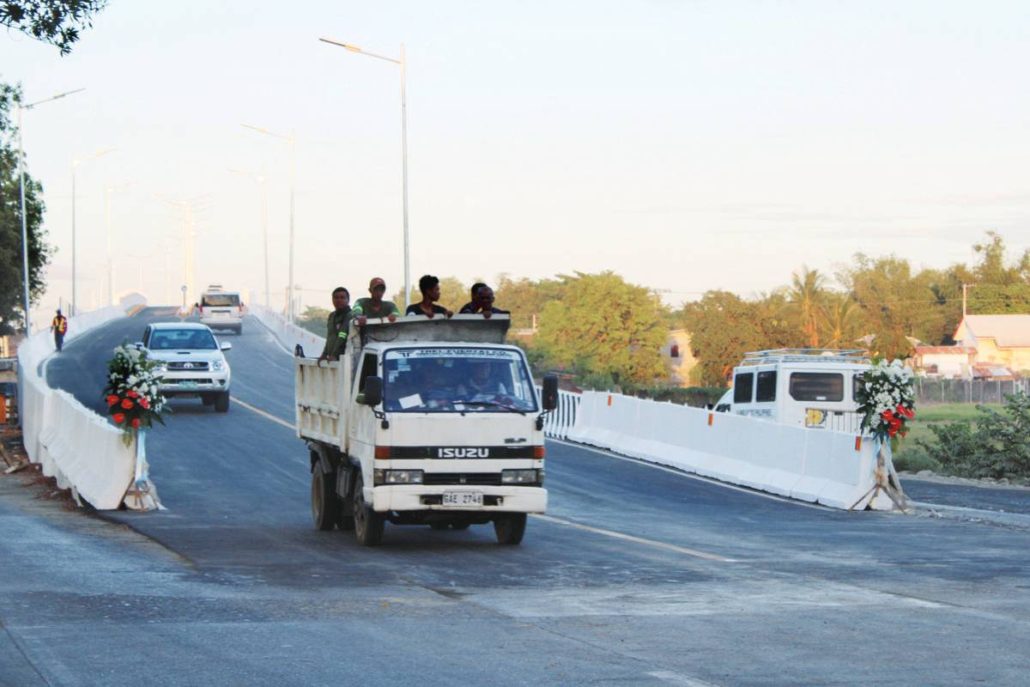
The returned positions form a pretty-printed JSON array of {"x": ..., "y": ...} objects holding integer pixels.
[
  {"x": 220, "y": 300},
  {"x": 452, "y": 379}
]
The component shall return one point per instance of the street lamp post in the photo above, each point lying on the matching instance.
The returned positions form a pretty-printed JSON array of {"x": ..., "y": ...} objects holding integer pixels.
[
  {"x": 21, "y": 193},
  {"x": 75, "y": 165},
  {"x": 260, "y": 179},
  {"x": 292, "y": 140},
  {"x": 402, "y": 63}
]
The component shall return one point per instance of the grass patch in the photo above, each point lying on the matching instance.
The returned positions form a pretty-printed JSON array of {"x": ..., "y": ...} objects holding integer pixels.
[{"x": 911, "y": 457}]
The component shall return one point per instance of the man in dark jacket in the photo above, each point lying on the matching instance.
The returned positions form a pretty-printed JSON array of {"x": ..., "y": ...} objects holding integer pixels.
[{"x": 336, "y": 325}]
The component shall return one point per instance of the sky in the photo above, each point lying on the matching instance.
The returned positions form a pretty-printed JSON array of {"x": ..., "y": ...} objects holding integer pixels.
[{"x": 685, "y": 145}]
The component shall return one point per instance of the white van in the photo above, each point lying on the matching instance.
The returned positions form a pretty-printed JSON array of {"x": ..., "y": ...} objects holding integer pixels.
[
  {"x": 221, "y": 309},
  {"x": 807, "y": 387}
]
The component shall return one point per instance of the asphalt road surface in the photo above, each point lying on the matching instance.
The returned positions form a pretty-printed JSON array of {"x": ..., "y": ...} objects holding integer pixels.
[{"x": 636, "y": 576}]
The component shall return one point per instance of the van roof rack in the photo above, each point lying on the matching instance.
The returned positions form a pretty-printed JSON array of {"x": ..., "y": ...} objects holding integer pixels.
[{"x": 805, "y": 355}]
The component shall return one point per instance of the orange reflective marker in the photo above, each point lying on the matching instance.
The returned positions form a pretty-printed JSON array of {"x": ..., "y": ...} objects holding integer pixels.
[
  {"x": 711, "y": 419},
  {"x": 858, "y": 443},
  {"x": 609, "y": 400}
]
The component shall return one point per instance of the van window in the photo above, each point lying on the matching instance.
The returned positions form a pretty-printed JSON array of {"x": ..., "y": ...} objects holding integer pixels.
[
  {"x": 857, "y": 383},
  {"x": 817, "y": 386},
  {"x": 220, "y": 300},
  {"x": 742, "y": 385},
  {"x": 766, "y": 388}
]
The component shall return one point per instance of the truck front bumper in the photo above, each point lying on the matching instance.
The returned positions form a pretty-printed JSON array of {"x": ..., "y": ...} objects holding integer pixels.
[{"x": 409, "y": 497}]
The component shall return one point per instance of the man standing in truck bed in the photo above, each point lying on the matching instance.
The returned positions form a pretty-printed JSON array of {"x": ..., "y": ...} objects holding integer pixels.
[
  {"x": 375, "y": 306},
  {"x": 336, "y": 325}
]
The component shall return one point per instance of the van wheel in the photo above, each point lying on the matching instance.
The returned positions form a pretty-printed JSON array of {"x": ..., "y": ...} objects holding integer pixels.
[
  {"x": 510, "y": 528},
  {"x": 222, "y": 402},
  {"x": 325, "y": 506},
  {"x": 368, "y": 525}
]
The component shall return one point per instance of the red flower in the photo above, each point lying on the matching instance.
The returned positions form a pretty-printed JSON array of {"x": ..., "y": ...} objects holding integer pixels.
[
  {"x": 144, "y": 403},
  {"x": 131, "y": 393},
  {"x": 112, "y": 399},
  {"x": 127, "y": 403},
  {"x": 887, "y": 415},
  {"x": 119, "y": 418},
  {"x": 135, "y": 423},
  {"x": 906, "y": 412}
]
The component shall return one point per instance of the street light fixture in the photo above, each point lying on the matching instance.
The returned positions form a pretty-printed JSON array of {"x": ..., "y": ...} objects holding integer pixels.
[
  {"x": 260, "y": 179},
  {"x": 21, "y": 191},
  {"x": 292, "y": 140},
  {"x": 75, "y": 164},
  {"x": 402, "y": 63}
]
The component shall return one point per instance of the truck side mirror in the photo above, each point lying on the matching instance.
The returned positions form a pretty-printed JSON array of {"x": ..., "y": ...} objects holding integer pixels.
[
  {"x": 373, "y": 391},
  {"x": 225, "y": 346},
  {"x": 549, "y": 397}
]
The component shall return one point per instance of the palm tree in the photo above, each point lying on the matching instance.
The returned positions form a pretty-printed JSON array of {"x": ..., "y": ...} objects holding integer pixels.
[
  {"x": 842, "y": 317},
  {"x": 806, "y": 295}
]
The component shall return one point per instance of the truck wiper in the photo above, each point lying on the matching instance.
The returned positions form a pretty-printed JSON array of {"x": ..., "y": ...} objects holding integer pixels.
[{"x": 491, "y": 404}]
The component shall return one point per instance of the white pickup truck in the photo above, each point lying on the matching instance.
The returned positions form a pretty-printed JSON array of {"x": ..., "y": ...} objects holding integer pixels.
[{"x": 424, "y": 422}]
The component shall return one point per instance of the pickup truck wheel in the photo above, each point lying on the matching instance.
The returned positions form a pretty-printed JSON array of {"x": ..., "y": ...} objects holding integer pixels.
[
  {"x": 510, "y": 528},
  {"x": 368, "y": 525},
  {"x": 207, "y": 399},
  {"x": 325, "y": 506},
  {"x": 222, "y": 402}
]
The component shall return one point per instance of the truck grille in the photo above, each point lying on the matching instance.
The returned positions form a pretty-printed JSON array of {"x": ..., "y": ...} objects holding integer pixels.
[
  {"x": 188, "y": 365},
  {"x": 462, "y": 478}
]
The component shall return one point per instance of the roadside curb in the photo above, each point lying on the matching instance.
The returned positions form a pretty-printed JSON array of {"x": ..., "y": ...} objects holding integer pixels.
[{"x": 992, "y": 517}]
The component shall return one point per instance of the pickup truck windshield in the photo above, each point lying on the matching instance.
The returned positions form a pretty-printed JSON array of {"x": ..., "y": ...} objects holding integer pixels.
[
  {"x": 452, "y": 379},
  {"x": 182, "y": 339}
]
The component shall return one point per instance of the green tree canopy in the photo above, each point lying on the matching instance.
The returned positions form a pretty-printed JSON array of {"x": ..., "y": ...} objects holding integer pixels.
[
  {"x": 606, "y": 326},
  {"x": 57, "y": 22},
  {"x": 11, "y": 276}
]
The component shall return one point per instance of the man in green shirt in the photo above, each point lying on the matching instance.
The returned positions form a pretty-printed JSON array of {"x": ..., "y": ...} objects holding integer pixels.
[
  {"x": 375, "y": 306},
  {"x": 337, "y": 325}
]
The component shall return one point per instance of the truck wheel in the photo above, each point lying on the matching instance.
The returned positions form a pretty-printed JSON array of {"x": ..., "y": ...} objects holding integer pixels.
[
  {"x": 368, "y": 525},
  {"x": 207, "y": 399},
  {"x": 510, "y": 528},
  {"x": 325, "y": 506},
  {"x": 222, "y": 402}
]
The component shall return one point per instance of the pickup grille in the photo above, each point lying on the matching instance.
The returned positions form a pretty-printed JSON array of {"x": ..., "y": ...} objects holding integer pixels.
[{"x": 188, "y": 365}]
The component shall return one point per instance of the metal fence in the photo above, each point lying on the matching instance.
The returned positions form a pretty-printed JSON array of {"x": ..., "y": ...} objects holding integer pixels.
[{"x": 931, "y": 391}]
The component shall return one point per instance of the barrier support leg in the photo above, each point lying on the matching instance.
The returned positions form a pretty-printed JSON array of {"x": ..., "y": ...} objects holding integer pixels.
[
  {"x": 887, "y": 480},
  {"x": 141, "y": 495}
]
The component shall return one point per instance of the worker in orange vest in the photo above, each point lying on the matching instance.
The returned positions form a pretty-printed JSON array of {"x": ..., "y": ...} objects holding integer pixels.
[{"x": 59, "y": 326}]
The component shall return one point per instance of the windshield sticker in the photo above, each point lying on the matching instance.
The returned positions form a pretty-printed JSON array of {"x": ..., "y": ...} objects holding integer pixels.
[
  {"x": 491, "y": 353},
  {"x": 413, "y": 401}
]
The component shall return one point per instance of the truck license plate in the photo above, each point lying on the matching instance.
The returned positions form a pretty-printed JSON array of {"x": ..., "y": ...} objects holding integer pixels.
[{"x": 462, "y": 498}]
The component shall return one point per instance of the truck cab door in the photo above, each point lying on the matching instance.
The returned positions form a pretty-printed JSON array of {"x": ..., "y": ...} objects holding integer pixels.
[{"x": 361, "y": 428}]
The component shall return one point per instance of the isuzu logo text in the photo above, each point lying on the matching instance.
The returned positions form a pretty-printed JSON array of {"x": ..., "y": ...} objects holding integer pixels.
[{"x": 462, "y": 453}]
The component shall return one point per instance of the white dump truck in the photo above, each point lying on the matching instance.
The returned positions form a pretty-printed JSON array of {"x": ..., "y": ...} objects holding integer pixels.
[{"x": 424, "y": 422}]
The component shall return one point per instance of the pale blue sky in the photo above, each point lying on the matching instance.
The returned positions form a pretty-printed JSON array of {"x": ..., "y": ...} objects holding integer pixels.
[{"x": 685, "y": 145}]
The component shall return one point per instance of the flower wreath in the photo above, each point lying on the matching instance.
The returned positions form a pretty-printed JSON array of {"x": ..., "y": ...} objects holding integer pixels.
[
  {"x": 886, "y": 400},
  {"x": 132, "y": 395}
]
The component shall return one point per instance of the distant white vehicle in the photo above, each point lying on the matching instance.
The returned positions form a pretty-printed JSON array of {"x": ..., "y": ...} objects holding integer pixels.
[
  {"x": 806, "y": 387},
  {"x": 221, "y": 309},
  {"x": 190, "y": 361}
]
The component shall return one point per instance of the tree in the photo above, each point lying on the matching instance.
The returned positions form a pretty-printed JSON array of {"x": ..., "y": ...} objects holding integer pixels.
[
  {"x": 525, "y": 299},
  {"x": 11, "y": 277},
  {"x": 806, "y": 297},
  {"x": 313, "y": 319},
  {"x": 57, "y": 22},
  {"x": 999, "y": 289},
  {"x": 605, "y": 326}
]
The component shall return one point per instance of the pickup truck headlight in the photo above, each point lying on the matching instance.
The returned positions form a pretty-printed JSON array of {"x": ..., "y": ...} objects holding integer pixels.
[
  {"x": 381, "y": 476},
  {"x": 529, "y": 476},
  {"x": 217, "y": 365}
]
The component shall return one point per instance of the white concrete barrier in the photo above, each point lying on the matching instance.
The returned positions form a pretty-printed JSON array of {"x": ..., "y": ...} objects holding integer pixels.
[
  {"x": 77, "y": 447},
  {"x": 559, "y": 421},
  {"x": 831, "y": 468},
  {"x": 288, "y": 335}
]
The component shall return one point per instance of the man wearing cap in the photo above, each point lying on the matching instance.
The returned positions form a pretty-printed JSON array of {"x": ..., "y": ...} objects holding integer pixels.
[
  {"x": 337, "y": 325},
  {"x": 375, "y": 306}
]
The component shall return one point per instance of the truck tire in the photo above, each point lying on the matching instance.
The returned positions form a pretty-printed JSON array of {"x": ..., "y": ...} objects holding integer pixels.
[
  {"x": 368, "y": 525},
  {"x": 325, "y": 506},
  {"x": 207, "y": 399},
  {"x": 222, "y": 402},
  {"x": 510, "y": 528}
]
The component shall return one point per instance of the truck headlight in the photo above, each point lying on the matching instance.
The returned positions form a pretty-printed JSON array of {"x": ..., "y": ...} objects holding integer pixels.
[
  {"x": 383, "y": 476},
  {"x": 217, "y": 365},
  {"x": 528, "y": 476}
]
